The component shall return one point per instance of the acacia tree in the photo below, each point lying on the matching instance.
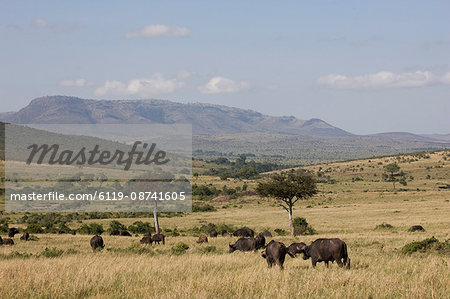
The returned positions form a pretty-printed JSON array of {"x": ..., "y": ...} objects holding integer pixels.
[
  {"x": 288, "y": 188},
  {"x": 393, "y": 174}
]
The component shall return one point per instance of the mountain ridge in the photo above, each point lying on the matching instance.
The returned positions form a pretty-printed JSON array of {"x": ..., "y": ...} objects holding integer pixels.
[{"x": 206, "y": 119}]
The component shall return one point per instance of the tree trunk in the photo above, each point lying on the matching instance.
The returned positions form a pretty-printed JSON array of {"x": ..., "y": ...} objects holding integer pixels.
[
  {"x": 155, "y": 216},
  {"x": 291, "y": 221}
]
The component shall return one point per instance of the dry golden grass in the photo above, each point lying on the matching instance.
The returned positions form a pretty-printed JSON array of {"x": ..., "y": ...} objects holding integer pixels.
[{"x": 347, "y": 210}]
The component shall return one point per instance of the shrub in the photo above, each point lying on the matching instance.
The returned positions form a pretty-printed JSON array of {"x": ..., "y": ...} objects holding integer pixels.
[
  {"x": 51, "y": 252},
  {"x": 180, "y": 248},
  {"x": 34, "y": 229},
  {"x": 139, "y": 227},
  {"x": 384, "y": 226},
  {"x": 301, "y": 227},
  {"x": 422, "y": 246},
  {"x": 116, "y": 225},
  {"x": 280, "y": 232},
  {"x": 91, "y": 229}
]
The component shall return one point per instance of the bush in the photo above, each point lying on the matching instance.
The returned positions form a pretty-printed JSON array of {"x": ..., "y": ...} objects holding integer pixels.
[
  {"x": 422, "y": 246},
  {"x": 384, "y": 226},
  {"x": 3, "y": 226},
  {"x": 51, "y": 252},
  {"x": 280, "y": 232},
  {"x": 34, "y": 229},
  {"x": 180, "y": 248},
  {"x": 139, "y": 227},
  {"x": 91, "y": 229},
  {"x": 301, "y": 227},
  {"x": 116, "y": 225}
]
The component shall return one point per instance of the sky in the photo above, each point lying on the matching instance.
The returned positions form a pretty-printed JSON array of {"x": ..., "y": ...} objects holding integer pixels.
[{"x": 363, "y": 66}]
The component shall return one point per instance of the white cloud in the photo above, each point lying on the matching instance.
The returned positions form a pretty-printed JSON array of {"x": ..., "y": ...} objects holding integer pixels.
[
  {"x": 158, "y": 30},
  {"x": 56, "y": 27},
  {"x": 75, "y": 83},
  {"x": 156, "y": 84},
  {"x": 223, "y": 85},
  {"x": 384, "y": 80},
  {"x": 184, "y": 75}
]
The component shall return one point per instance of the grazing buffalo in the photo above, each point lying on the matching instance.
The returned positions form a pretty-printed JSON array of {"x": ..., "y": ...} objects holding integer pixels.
[
  {"x": 74, "y": 232},
  {"x": 244, "y": 232},
  {"x": 213, "y": 234},
  {"x": 146, "y": 240},
  {"x": 159, "y": 238},
  {"x": 12, "y": 231},
  {"x": 225, "y": 233},
  {"x": 202, "y": 239},
  {"x": 275, "y": 254},
  {"x": 6, "y": 241},
  {"x": 125, "y": 233},
  {"x": 25, "y": 236},
  {"x": 243, "y": 244},
  {"x": 97, "y": 242},
  {"x": 325, "y": 250},
  {"x": 415, "y": 228},
  {"x": 114, "y": 233},
  {"x": 260, "y": 241},
  {"x": 266, "y": 234}
]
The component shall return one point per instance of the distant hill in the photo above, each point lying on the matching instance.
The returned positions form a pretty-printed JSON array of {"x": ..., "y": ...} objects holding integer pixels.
[
  {"x": 227, "y": 131},
  {"x": 206, "y": 119}
]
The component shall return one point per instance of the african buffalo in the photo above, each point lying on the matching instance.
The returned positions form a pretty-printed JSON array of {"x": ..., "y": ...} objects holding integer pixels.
[
  {"x": 225, "y": 233},
  {"x": 415, "y": 228},
  {"x": 6, "y": 241},
  {"x": 266, "y": 234},
  {"x": 25, "y": 236},
  {"x": 260, "y": 241},
  {"x": 244, "y": 232},
  {"x": 12, "y": 231},
  {"x": 125, "y": 233},
  {"x": 243, "y": 244},
  {"x": 114, "y": 233},
  {"x": 276, "y": 253},
  {"x": 325, "y": 250},
  {"x": 146, "y": 240},
  {"x": 97, "y": 242},
  {"x": 158, "y": 238},
  {"x": 202, "y": 239},
  {"x": 213, "y": 234}
]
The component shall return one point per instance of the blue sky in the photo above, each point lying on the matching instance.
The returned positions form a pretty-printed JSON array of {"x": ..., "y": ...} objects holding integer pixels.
[{"x": 364, "y": 66}]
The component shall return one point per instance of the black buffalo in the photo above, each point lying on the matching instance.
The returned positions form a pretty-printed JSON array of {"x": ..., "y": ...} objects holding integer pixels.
[
  {"x": 225, "y": 233},
  {"x": 243, "y": 244},
  {"x": 12, "y": 231},
  {"x": 260, "y": 241},
  {"x": 244, "y": 232},
  {"x": 114, "y": 233},
  {"x": 415, "y": 228},
  {"x": 213, "y": 234},
  {"x": 125, "y": 233},
  {"x": 6, "y": 241},
  {"x": 159, "y": 238},
  {"x": 146, "y": 240},
  {"x": 266, "y": 234},
  {"x": 25, "y": 236},
  {"x": 275, "y": 254},
  {"x": 324, "y": 250},
  {"x": 97, "y": 242}
]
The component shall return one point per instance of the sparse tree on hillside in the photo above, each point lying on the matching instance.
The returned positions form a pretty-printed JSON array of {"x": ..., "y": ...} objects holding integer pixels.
[
  {"x": 393, "y": 174},
  {"x": 288, "y": 188}
]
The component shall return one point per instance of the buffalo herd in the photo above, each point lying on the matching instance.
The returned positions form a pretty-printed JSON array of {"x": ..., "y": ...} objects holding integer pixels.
[{"x": 321, "y": 250}]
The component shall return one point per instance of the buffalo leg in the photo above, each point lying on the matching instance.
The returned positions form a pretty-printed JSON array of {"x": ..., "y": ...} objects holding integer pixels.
[{"x": 326, "y": 264}]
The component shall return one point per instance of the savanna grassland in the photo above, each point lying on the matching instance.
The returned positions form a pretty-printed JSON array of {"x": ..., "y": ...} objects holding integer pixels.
[{"x": 352, "y": 201}]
